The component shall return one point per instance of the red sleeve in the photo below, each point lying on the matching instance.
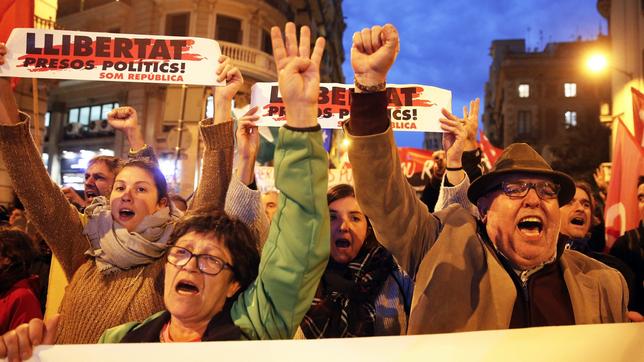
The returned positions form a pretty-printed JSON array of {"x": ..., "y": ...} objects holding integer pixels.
[{"x": 23, "y": 307}]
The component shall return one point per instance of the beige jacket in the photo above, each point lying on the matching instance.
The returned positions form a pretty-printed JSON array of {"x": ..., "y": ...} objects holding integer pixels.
[{"x": 460, "y": 283}]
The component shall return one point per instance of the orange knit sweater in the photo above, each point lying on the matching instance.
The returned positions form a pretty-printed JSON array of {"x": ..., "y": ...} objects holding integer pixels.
[{"x": 95, "y": 301}]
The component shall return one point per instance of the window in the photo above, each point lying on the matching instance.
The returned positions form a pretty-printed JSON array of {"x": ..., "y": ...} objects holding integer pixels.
[
  {"x": 524, "y": 123},
  {"x": 47, "y": 119},
  {"x": 267, "y": 47},
  {"x": 570, "y": 90},
  {"x": 85, "y": 114},
  {"x": 524, "y": 90},
  {"x": 570, "y": 119},
  {"x": 228, "y": 29},
  {"x": 177, "y": 24}
]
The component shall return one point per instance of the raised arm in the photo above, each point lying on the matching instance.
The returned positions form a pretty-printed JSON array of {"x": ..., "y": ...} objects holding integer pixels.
[
  {"x": 459, "y": 138},
  {"x": 295, "y": 254},
  {"x": 217, "y": 134},
  {"x": 55, "y": 218},
  {"x": 243, "y": 200},
  {"x": 401, "y": 221}
]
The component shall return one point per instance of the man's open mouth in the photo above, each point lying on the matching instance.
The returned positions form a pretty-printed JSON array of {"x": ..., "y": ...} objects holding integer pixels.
[
  {"x": 187, "y": 287},
  {"x": 342, "y": 243},
  {"x": 531, "y": 225},
  {"x": 578, "y": 220}
]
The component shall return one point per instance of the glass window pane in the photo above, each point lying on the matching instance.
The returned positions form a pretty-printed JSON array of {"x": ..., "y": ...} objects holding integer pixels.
[
  {"x": 83, "y": 116},
  {"x": 177, "y": 24},
  {"x": 95, "y": 113},
  {"x": 73, "y": 115},
  {"x": 106, "y": 109},
  {"x": 47, "y": 118},
  {"x": 570, "y": 90},
  {"x": 524, "y": 90},
  {"x": 228, "y": 29},
  {"x": 267, "y": 47}
]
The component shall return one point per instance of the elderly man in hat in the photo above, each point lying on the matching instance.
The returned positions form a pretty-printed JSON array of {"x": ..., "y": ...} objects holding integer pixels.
[{"x": 504, "y": 271}]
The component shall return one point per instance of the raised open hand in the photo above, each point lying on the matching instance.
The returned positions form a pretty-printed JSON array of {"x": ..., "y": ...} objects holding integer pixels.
[
  {"x": 298, "y": 73},
  {"x": 471, "y": 118},
  {"x": 460, "y": 133},
  {"x": 600, "y": 178},
  {"x": 373, "y": 52}
]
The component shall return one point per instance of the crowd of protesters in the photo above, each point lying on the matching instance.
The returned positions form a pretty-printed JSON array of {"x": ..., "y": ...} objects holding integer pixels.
[{"x": 506, "y": 248}]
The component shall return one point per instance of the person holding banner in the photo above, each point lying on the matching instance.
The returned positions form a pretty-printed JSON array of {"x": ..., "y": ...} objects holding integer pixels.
[
  {"x": 502, "y": 272},
  {"x": 208, "y": 298},
  {"x": 112, "y": 254}
]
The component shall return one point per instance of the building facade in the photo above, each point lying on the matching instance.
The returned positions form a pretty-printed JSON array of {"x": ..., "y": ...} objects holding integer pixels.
[
  {"x": 532, "y": 96},
  {"x": 626, "y": 32},
  {"x": 77, "y": 110}
]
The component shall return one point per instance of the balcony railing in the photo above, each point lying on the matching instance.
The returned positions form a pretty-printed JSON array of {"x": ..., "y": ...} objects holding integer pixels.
[
  {"x": 69, "y": 7},
  {"x": 42, "y": 23},
  {"x": 249, "y": 60}
]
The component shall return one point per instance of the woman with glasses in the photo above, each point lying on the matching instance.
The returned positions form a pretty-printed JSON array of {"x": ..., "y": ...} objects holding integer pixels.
[
  {"x": 214, "y": 289},
  {"x": 112, "y": 254}
]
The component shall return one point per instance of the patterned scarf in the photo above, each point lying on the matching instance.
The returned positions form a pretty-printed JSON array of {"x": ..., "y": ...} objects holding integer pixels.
[
  {"x": 114, "y": 248},
  {"x": 344, "y": 304}
]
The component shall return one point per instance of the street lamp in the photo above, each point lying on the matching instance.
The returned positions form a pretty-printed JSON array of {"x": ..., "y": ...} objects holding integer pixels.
[{"x": 598, "y": 62}]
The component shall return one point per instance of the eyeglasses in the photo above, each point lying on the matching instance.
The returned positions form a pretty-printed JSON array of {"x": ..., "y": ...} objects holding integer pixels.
[
  {"x": 207, "y": 264},
  {"x": 516, "y": 189}
]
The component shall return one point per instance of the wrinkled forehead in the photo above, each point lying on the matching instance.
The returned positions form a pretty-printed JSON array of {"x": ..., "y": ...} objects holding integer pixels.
[
  {"x": 205, "y": 243},
  {"x": 581, "y": 194},
  {"x": 98, "y": 167}
]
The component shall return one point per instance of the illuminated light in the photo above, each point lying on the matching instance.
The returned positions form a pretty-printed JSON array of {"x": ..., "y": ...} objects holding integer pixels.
[
  {"x": 346, "y": 142},
  {"x": 69, "y": 155},
  {"x": 166, "y": 165},
  {"x": 597, "y": 63},
  {"x": 105, "y": 152}
]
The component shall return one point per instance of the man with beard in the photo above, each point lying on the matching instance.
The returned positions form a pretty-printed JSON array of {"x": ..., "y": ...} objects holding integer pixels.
[
  {"x": 505, "y": 271},
  {"x": 99, "y": 178},
  {"x": 101, "y": 170},
  {"x": 576, "y": 223}
]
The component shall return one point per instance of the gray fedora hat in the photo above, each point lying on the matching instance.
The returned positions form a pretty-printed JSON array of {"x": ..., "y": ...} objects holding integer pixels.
[{"x": 521, "y": 158}]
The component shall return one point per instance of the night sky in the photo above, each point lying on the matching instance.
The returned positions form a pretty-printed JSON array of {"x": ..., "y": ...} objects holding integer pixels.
[{"x": 446, "y": 43}]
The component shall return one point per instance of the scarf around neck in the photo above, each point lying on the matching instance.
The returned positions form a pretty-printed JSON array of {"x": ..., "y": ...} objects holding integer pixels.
[
  {"x": 114, "y": 248},
  {"x": 344, "y": 304}
]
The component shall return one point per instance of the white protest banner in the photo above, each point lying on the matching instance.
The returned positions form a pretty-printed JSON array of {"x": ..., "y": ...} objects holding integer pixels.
[
  {"x": 412, "y": 107},
  {"x": 612, "y": 342},
  {"x": 62, "y": 54}
]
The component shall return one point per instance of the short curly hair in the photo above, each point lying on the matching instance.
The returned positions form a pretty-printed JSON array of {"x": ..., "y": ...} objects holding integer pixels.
[{"x": 237, "y": 237}]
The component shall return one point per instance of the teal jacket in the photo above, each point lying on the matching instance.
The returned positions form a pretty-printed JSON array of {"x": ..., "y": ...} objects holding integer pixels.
[{"x": 296, "y": 251}]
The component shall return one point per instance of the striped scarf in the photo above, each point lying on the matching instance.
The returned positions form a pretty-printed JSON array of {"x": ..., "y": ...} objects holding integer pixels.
[{"x": 344, "y": 302}]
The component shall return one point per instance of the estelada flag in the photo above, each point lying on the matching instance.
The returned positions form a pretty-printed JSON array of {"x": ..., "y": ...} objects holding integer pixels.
[
  {"x": 638, "y": 115},
  {"x": 621, "y": 212},
  {"x": 15, "y": 14},
  {"x": 489, "y": 151}
]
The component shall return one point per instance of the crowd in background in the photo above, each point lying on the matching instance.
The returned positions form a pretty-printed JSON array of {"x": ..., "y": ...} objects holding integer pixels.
[{"x": 519, "y": 245}]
